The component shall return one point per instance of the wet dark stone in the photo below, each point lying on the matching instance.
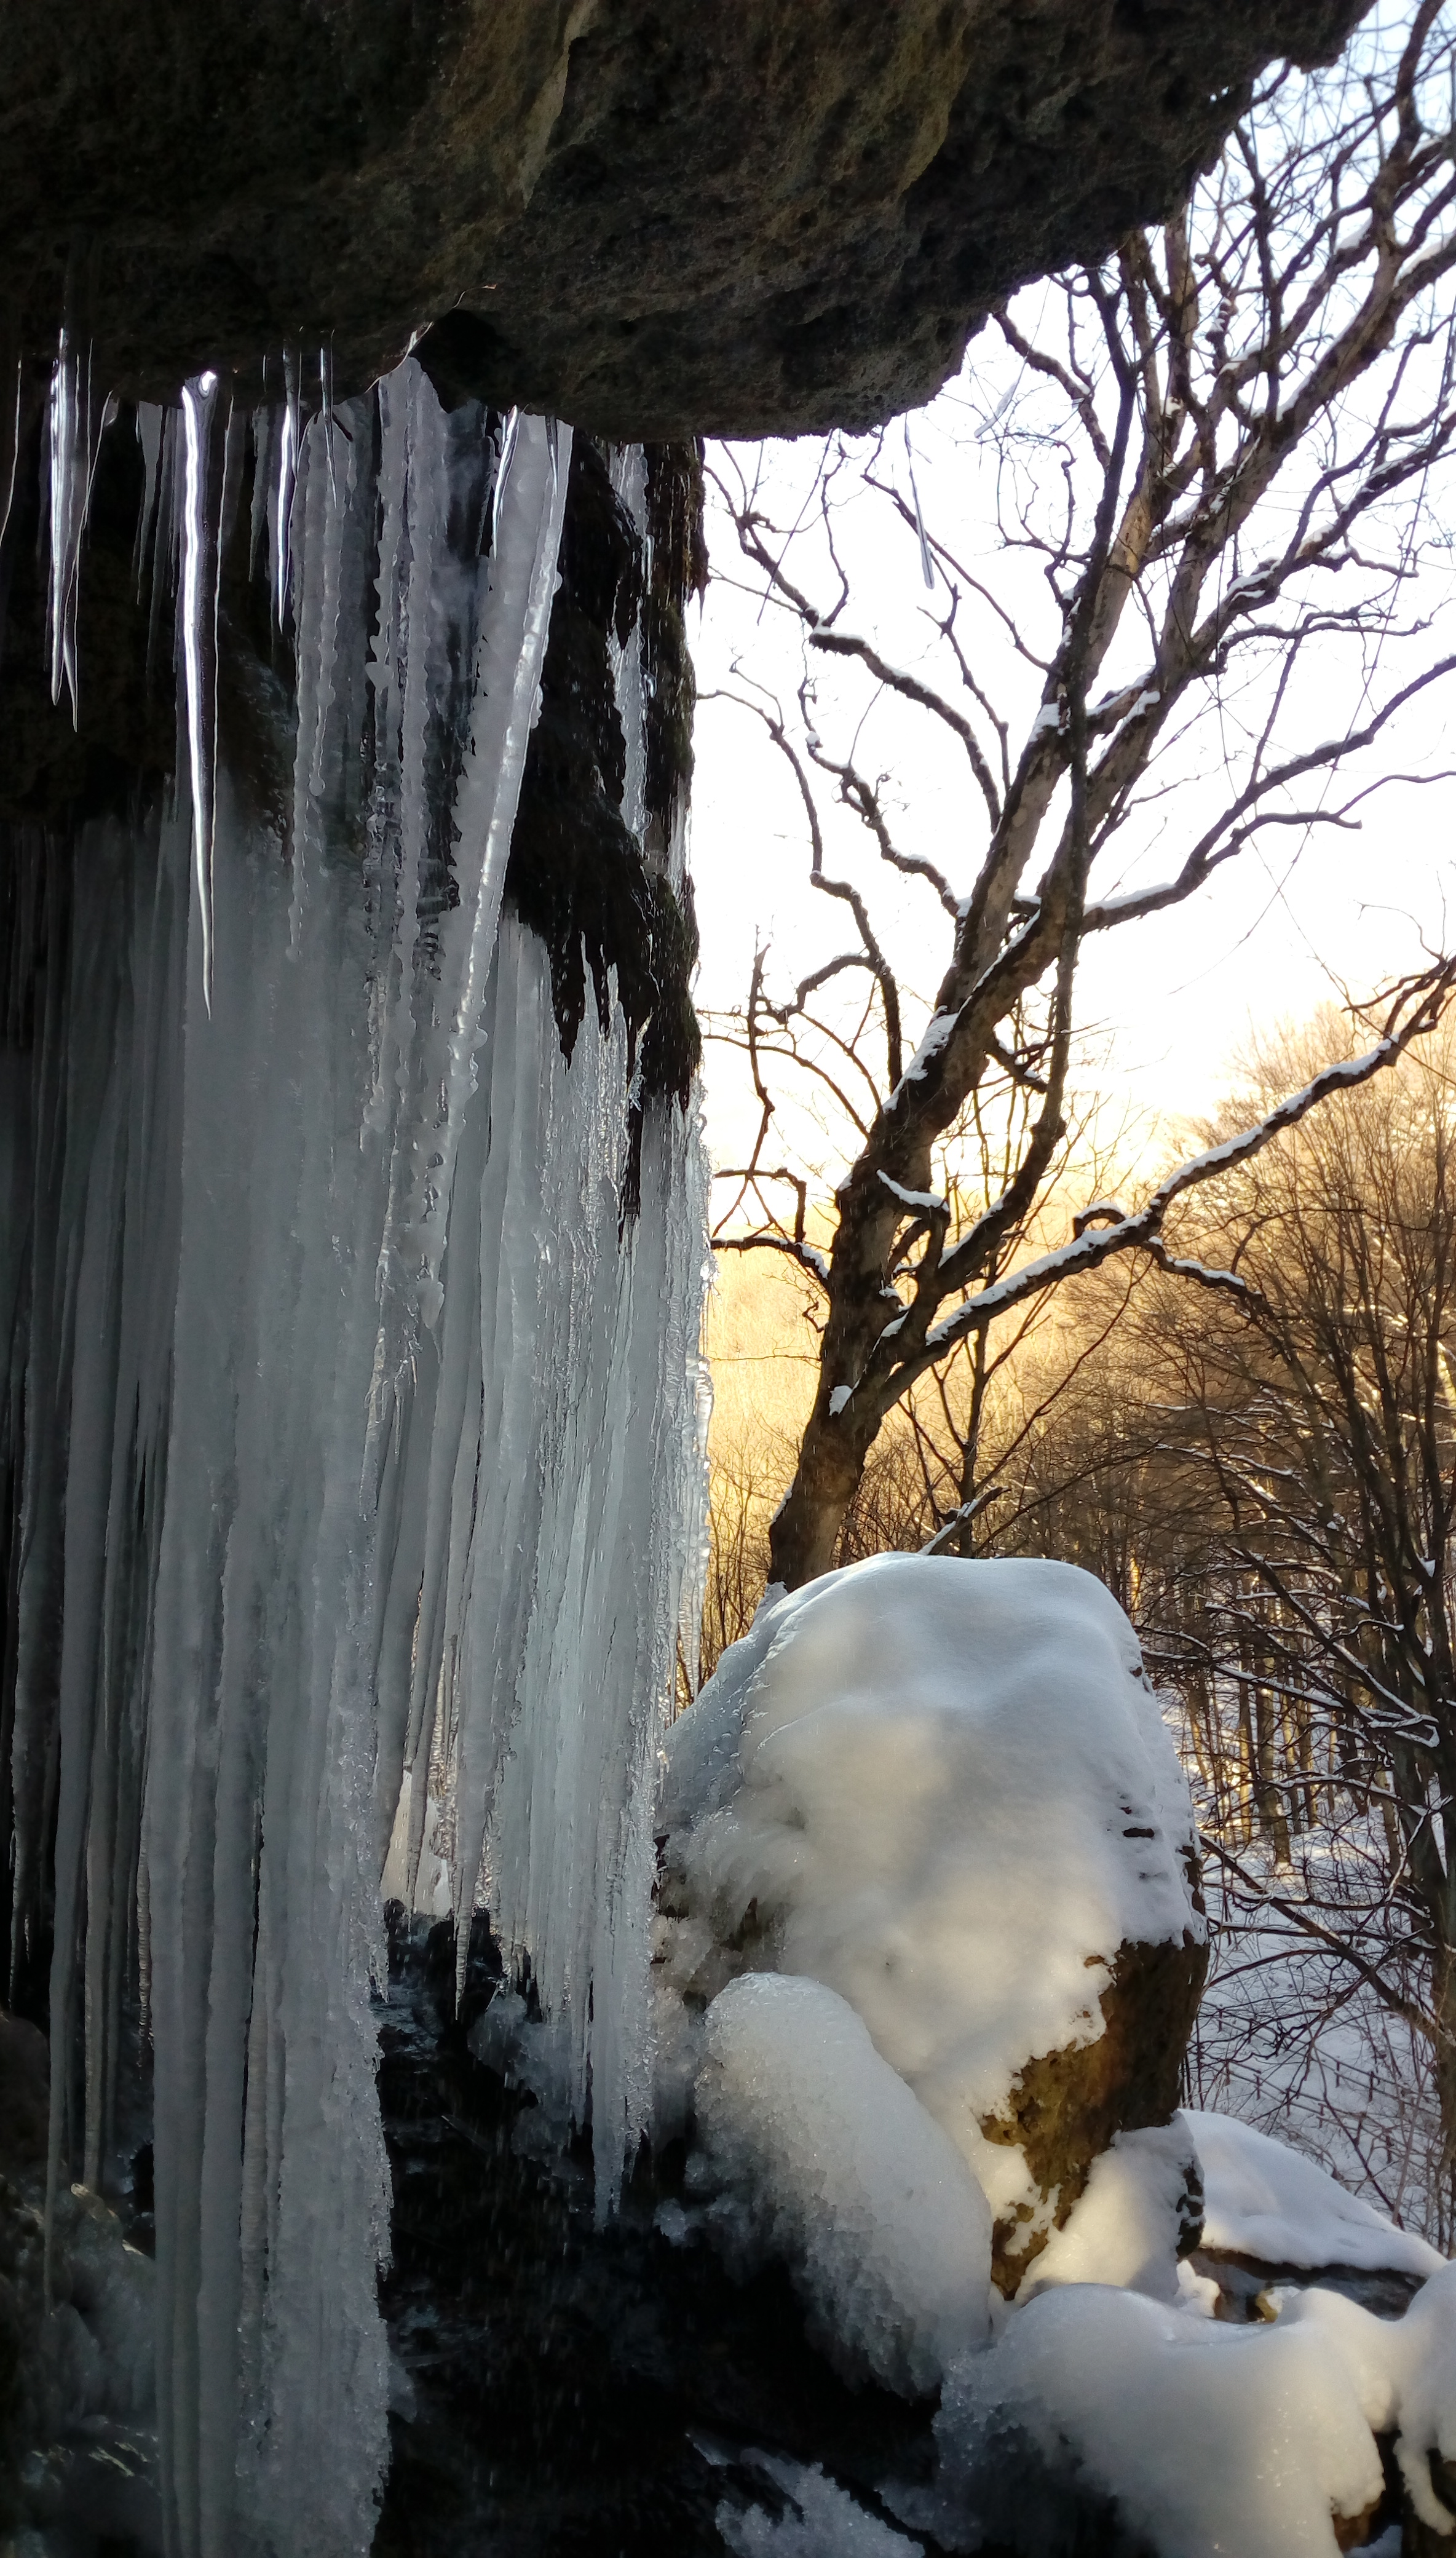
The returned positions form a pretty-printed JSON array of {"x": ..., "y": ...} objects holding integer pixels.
[
  {"x": 577, "y": 876},
  {"x": 1242, "y": 2281},
  {"x": 578, "y": 2391}
]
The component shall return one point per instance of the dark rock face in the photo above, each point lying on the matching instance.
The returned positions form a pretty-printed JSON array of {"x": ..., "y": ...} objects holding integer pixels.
[
  {"x": 1066, "y": 2106},
  {"x": 573, "y": 2391},
  {"x": 744, "y": 216},
  {"x": 578, "y": 877},
  {"x": 25, "y": 2094},
  {"x": 1244, "y": 2282},
  {"x": 601, "y": 901}
]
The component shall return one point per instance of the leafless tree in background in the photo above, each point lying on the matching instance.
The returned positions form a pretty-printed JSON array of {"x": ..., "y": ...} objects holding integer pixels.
[
  {"x": 1221, "y": 452},
  {"x": 1321, "y": 1607},
  {"x": 1268, "y": 1485}
]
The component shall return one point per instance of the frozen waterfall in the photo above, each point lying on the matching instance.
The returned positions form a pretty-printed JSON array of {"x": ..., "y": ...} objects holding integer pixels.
[{"x": 353, "y": 1425}]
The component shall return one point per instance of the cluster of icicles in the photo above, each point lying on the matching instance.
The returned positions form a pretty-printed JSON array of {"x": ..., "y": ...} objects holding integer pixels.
[{"x": 359, "y": 1441}]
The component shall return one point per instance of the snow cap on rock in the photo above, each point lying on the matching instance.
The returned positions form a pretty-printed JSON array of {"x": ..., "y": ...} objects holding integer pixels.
[
  {"x": 944, "y": 1789},
  {"x": 818, "y": 2153}
]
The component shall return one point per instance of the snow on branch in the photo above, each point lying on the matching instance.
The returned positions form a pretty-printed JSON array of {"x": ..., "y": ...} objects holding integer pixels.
[
  {"x": 962, "y": 1517},
  {"x": 1416, "y": 1008}
]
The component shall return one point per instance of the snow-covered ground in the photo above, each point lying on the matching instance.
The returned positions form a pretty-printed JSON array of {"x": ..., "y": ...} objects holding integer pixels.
[
  {"x": 1266, "y": 2199},
  {"x": 1289, "y": 2038}
]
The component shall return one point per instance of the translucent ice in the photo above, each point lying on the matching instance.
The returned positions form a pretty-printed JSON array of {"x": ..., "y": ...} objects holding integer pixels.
[{"x": 356, "y": 1432}]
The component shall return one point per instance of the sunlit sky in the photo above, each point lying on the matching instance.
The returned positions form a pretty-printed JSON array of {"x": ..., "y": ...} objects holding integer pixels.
[{"x": 1293, "y": 924}]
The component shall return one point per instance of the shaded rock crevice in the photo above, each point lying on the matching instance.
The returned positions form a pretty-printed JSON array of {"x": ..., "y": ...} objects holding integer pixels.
[
  {"x": 566, "y": 2389},
  {"x": 601, "y": 900}
]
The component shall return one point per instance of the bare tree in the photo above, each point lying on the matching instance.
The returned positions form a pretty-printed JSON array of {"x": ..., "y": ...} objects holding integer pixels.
[
  {"x": 1219, "y": 451},
  {"x": 1269, "y": 1486}
]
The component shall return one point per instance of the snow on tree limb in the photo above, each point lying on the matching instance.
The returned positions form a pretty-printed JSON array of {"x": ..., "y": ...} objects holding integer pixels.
[{"x": 1427, "y": 997}]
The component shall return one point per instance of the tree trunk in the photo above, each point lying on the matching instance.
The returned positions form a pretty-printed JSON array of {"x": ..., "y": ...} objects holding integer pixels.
[
  {"x": 1444, "y": 2007},
  {"x": 805, "y": 1527}
]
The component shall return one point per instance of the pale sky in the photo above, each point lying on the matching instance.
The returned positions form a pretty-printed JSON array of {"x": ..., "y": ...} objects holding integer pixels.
[{"x": 1268, "y": 938}]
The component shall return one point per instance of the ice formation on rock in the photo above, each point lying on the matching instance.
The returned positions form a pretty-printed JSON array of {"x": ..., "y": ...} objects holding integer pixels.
[
  {"x": 814, "y": 2518},
  {"x": 357, "y": 1431},
  {"x": 816, "y": 2152},
  {"x": 944, "y": 1790}
]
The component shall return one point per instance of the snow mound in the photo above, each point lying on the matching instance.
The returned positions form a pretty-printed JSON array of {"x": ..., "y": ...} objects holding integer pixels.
[
  {"x": 1266, "y": 2200},
  {"x": 818, "y": 2153},
  {"x": 943, "y": 1789},
  {"x": 1427, "y": 2383},
  {"x": 1403, "y": 2370},
  {"x": 1139, "y": 2206},
  {"x": 1208, "y": 2438}
]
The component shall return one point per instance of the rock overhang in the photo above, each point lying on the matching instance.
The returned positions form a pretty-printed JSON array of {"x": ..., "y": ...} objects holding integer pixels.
[{"x": 739, "y": 218}]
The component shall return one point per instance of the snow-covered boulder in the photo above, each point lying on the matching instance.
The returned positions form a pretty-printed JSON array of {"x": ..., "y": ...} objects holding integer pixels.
[
  {"x": 1204, "y": 2438},
  {"x": 1266, "y": 2204},
  {"x": 816, "y": 2152},
  {"x": 943, "y": 1789}
]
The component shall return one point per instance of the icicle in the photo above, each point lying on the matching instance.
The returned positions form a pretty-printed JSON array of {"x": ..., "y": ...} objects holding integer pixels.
[
  {"x": 385, "y": 1465},
  {"x": 280, "y": 505},
  {"x": 925, "y": 570},
  {"x": 74, "y": 442},
  {"x": 197, "y": 617},
  {"x": 508, "y": 434},
  {"x": 524, "y": 544},
  {"x": 10, "y": 448}
]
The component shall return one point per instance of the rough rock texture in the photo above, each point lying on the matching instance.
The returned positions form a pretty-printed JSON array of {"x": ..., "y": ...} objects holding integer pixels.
[
  {"x": 564, "y": 2390},
  {"x": 740, "y": 217},
  {"x": 599, "y": 900},
  {"x": 25, "y": 2094},
  {"x": 1066, "y": 2106},
  {"x": 77, "y": 2419}
]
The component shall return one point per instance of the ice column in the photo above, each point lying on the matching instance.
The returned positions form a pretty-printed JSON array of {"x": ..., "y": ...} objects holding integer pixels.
[{"x": 351, "y": 1427}]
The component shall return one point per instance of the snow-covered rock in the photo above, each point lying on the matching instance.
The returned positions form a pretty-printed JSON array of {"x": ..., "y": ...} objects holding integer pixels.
[
  {"x": 943, "y": 1789},
  {"x": 1206, "y": 2436},
  {"x": 817, "y": 2153},
  {"x": 1265, "y": 2200},
  {"x": 1135, "y": 2220},
  {"x": 1207, "y": 2439}
]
